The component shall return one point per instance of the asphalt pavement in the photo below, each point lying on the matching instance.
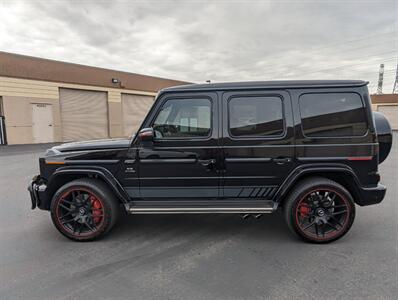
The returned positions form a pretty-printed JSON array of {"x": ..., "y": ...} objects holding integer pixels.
[{"x": 191, "y": 256}]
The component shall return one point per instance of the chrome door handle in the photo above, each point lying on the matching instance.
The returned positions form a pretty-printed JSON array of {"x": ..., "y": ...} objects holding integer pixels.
[
  {"x": 282, "y": 160},
  {"x": 206, "y": 162}
]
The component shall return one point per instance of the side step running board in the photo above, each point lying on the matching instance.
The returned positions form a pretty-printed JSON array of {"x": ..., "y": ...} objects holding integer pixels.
[{"x": 200, "y": 210}]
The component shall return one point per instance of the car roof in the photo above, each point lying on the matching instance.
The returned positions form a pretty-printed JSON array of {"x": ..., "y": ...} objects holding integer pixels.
[{"x": 267, "y": 85}]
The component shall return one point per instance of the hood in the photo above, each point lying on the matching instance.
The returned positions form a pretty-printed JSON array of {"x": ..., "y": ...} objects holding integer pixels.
[{"x": 93, "y": 145}]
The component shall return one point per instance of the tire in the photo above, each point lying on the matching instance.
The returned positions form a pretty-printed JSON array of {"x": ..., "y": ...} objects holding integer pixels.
[
  {"x": 319, "y": 210},
  {"x": 84, "y": 209}
]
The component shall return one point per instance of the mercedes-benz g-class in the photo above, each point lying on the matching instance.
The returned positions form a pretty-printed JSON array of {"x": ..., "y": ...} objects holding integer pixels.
[{"x": 310, "y": 148}]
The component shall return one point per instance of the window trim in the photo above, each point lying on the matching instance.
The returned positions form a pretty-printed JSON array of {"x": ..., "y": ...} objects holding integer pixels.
[
  {"x": 256, "y": 137},
  {"x": 203, "y": 138},
  {"x": 334, "y": 137}
]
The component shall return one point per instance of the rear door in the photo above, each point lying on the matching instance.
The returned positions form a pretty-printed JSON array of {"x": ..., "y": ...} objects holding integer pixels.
[
  {"x": 181, "y": 163},
  {"x": 258, "y": 143}
]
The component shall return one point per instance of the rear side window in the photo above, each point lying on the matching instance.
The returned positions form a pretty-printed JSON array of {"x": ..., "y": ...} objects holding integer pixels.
[
  {"x": 332, "y": 115},
  {"x": 256, "y": 116}
]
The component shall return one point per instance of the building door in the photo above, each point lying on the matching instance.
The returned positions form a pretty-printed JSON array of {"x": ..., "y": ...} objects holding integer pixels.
[
  {"x": 3, "y": 139},
  {"x": 84, "y": 114},
  {"x": 134, "y": 110},
  {"x": 42, "y": 123},
  {"x": 391, "y": 112}
]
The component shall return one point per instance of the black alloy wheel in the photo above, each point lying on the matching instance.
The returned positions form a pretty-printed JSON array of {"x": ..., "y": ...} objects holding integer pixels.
[
  {"x": 84, "y": 209},
  {"x": 80, "y": 212},
  {"x": 320, "y": 210}
]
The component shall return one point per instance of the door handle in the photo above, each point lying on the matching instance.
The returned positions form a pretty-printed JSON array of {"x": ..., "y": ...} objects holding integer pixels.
[
  {"x": 282, "y": 160},
  {"x": 207, "y": 162}
]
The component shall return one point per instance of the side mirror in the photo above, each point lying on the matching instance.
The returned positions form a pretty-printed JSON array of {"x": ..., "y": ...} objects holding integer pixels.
[{"x": 146, "y": 134}]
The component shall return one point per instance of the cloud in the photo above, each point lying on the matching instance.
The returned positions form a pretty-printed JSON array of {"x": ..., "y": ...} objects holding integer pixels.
[{"x": 216, "y": 40}]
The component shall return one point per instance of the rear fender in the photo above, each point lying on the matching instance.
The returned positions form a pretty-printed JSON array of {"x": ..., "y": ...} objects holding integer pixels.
[{"x": 327, "y": 171}]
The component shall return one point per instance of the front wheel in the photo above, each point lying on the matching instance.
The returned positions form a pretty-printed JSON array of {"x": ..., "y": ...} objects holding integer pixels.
[
  {"x": 84, "y": 209},
  {"x": 319, "y": 210}
]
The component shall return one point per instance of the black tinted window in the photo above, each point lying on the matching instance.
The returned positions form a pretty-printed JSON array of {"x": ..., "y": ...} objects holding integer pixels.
[
  {"x": 183, "y": 118},
  {"x": 332, "y": 115},
  {"x": 255, "y": 116}
]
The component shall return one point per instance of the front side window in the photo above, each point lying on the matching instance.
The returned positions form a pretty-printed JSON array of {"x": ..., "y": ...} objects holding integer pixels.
[
  {"x": 255, "y": 116},
  {"x": 332, "y": 115},
  {"x": 181, "y": 118}
]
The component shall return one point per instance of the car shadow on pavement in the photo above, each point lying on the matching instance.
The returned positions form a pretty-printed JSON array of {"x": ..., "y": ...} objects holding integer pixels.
[{"x": 270, "y": 227}]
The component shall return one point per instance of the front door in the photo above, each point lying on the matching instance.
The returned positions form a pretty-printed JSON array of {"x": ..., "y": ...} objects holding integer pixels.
[
  {"x": 42, "y": 123},
  {"x": 257, "y": 143},
  {"x": 182, "y": 161}
]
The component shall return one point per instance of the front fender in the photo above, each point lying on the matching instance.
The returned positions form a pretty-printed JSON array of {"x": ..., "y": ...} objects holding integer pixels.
[{"x": 57, "y": 179}]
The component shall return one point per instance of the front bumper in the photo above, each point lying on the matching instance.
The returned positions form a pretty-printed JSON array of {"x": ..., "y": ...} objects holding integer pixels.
[
  {"x": 37, "y": 188},
  {"x": 373, "y": 195}
]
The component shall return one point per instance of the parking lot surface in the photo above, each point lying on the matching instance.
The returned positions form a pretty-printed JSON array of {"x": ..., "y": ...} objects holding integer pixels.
[{"x": 191, "y": 256}]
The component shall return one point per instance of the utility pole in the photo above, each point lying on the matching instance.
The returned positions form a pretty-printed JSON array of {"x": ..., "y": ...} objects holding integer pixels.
[
  {"x": 380, "y": 83},
  {"x": 395, "y": 88}
]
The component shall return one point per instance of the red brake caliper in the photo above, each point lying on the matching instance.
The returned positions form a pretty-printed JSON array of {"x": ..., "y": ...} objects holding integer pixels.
[
  {"x": 97, "y": 209},
  {"x": 304, "y": 210}
]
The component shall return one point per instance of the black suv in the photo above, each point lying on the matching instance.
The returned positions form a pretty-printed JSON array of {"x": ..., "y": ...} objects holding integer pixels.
[{"x": 311, "y": 148}]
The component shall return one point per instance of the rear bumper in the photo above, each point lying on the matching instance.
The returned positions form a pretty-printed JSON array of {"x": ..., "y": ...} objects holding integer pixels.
[
  {"x": 37, "y": 190},
  {"x": 374, "y": 195}
]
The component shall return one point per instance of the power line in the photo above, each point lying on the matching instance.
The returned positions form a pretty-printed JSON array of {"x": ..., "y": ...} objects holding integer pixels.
[
  {"x": 319, "y": 49},
  {"x": 376, "y": 57},
  {"x": 349, "y": 65},
  {"x": 342, "y": 43}
]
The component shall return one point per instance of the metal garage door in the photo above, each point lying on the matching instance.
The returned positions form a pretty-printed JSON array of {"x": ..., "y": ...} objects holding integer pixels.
[
  {"x": 135, "y": 109},
  {"x": 391, "y": 112},
  {"x": 84, "y": 115}
]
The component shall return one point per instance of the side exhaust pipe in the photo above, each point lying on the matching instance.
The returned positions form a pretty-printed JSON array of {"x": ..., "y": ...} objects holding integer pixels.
[{"x": 246, "y": 216}]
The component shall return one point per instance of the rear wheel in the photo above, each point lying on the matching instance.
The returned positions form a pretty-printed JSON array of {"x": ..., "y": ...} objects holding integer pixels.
[
  {"x": 319, "y": 210},
  {"x": 84, "y": 209}
]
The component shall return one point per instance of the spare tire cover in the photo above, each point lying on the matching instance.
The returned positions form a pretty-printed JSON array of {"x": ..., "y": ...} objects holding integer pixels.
[{"x": 384, "y": 135}]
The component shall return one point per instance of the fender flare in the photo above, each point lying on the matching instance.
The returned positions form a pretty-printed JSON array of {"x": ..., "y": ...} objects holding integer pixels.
[
  {"x": 305, "y": 170},
  {"x": 100, "y": 172}
]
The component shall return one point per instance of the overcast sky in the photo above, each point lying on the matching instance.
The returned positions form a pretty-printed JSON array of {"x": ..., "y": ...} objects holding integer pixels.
[{"x": 216, "y": 40}]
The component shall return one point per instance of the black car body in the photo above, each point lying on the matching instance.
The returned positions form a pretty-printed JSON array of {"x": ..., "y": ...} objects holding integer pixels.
[{"x": 233, "y": 148}]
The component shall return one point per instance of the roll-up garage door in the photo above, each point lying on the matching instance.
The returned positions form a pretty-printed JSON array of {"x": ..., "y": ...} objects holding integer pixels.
[
  {"x": 84, "y": 115},
  {"x": 135, "y": 109},
  {"x": 391, "y": 112}
]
